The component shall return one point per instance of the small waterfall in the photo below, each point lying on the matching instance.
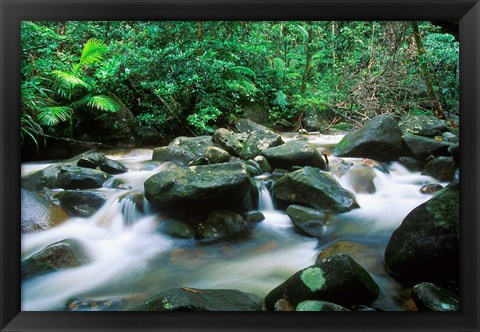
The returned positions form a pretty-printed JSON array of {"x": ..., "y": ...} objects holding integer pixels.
[{"x": 265, "y": 202}]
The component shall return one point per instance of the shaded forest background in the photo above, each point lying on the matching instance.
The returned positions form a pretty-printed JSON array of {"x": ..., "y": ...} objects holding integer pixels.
[{"x": 129, "y": 84}]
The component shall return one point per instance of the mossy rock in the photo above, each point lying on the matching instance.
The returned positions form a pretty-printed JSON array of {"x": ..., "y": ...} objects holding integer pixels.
[{"x": 294, "y": 153}]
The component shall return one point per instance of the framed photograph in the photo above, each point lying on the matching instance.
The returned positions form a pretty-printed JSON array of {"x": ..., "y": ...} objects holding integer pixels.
[{"x": 209, "y": 165}]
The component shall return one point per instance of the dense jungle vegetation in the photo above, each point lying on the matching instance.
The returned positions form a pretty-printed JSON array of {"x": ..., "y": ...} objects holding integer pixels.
[{"x": 140, "y": 83}]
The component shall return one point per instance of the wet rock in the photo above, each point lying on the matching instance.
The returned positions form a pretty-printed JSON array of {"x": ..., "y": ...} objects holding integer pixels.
[
  {"x": 456, "y": 176},
  {"x": 450, "y": 137},
  {"x": 379, "y": 139},
  {"x": 254, "y": 217},
  {"x": 97, "y": 304},
  {"x": 422, "y": 125},
  {"x": 216, "y": 155},
  {"x": 311, "y": 187},
  {"x": 252, "y": 170},
  {"x": 247, "y": 126},
  {"x": 441, "y": 168},
  {"x": 312, "y": 305},
  {"x": 454, "y": 151},
  {"x": 431, "y": 188},
  {"x": 226, "y": 140},
  {"x": 195, "y": 145},
  {"x": 254, "y": 164},
  {"x": 75, "y": 177},
  {"x": 339, "y": 280},
  {"x": 57, "y": 256},
  {"x": 199, "y": 162},
  {"x": 259, "y": 140},
  {"x": 173, "y": 153},
  {"x": 263, "y": 163},
  {"x": 339, "y": 166},
  {"x": 39, "y": 213},
  {"x": 357, "y": 251},
  {"x": 412, "y": 164},
  {"x": 222, "y": 224},
  {"x": 283, "y": 305},
  {"x": 199, "y": 190},
  {"x": 118, "y": 184},
  {"x": 81, "y": 203},
  {"x": 430, "y": 297},
  {"x": 425, "y": 246},
  {"x": 422, "y": 147},
  {"x": 308, "y": 221},
  {"x": 176, "y": 229},
  {"x": 189, "y": 299},
  {"x": 361, "y": 179},
  {"x": 294, "y": 153},
  {"x": 45, "y": 178},
  {"x": 99, "y": 160}
]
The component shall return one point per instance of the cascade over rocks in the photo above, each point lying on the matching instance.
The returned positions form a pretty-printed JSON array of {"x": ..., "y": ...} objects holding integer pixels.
[
  {"x": 425, "y": 246},
  {"x": 294, "y": 153},
  {"x": 199, "y": 190},
  {"x": 189, "y": 299},
  {"x": 39, "y": 213},
  {"x": 316, "y": 189},
  {"x": 339, "y": 279},
  {"x": 379, "y": 139},
  {"x": 259, "y": 140}
]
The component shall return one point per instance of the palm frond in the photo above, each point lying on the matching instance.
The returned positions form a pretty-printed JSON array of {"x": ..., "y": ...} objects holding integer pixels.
[
  {"x": 50, "y": 116},
  {"x": 281, "y": 99},
  {"x": 303, "y": 32},
  {"x": 101, "y": 102},
  {"x": 29, "y": 128},
  {"x": 65, "y": 82},
  {"x": 244, "y": 86},
  {"x": 93, "y": 51},
  {"x": 240, "y": 70}
]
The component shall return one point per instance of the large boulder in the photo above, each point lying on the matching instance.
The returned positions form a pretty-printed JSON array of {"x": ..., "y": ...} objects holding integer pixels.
[
  {"x": 39, "y": 213},
  {"x": 173, "y": 153},
  {"x": 226, "y": 139},
  {"x": 247, "y": 126},
  {"x": 422, "y": 125},
  {"x": 339, "y": 279},
  {"x": 189, "y": 299},
  {"x": 309, "y": 186},
  {"x": 81, "y": 203},
  {"x": 57, "y": 256},
  {"x": 99, "y": 160},
  {"x": 379, "y": 139},
  {"x": 294, "y": 153},
  {"x": 195, "y": 145},
  {"x": 66, "y": 176},
  {"x": 308, "y": 221},
  {"x": 430, "y": 297},
  {"x": 425, "y": 246},
  {"x": 422, "y": 147},
  {"x": 259, "y": 140},
  {"x": 216, "y": 155},
  {"x": 199, "y": 190},
  {"x": 441, "y": 168}
]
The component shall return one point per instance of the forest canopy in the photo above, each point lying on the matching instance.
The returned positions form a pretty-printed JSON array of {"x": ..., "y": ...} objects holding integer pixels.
[{"x": 133, "y": 83}]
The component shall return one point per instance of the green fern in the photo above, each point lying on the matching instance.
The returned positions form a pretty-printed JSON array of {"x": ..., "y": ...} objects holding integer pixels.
[
  {"x": 240, "y": 70},
  {"x": 93, "y": 52},
  {"x": 281, "y": 99},
  {"x": 51, "y": 116},
  {"x": 101, "y": 102},
  {"x": 65, "y": 82}
]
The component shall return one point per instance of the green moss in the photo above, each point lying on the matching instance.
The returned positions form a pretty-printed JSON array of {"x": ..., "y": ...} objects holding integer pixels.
[
  {"x": 310, "y": 306},
  {"x": 167, "y": 305},
  {"x": 313, "y": 278}
]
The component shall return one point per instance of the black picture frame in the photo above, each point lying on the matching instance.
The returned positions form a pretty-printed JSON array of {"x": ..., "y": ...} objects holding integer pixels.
[{"x": 467, "y": 12}]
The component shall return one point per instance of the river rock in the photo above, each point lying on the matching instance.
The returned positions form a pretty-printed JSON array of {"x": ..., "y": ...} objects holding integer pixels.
[
  {"x": 201, "y": 161},
  {"x": 259, "y": 140},
  {"x": 98, "y": 304},
  {"x": 195, "y": 145},
  {"x": 189, "y": 299},
  {"x": 81, "y": 203},
  {"x": 312, "y": 305},
  {"x": 441, "y": 168},
  {"x": 309, "y": 221},
  {"x": 431, "y": 188},
  {"x": 379, "y": 139},
  {"x": 45, "y": 178},
  {"x": 201, "y": 189},
  {"x": 339, "y": 167},
  {"x": 176, "y": 229},
  {"x": 39, "y": 213},
  {"x": 216, "y": 155},
  {"x": 222, "y": 224},
  {"x": 454, "y": 150},
  {"x": 430, "y": 297},
  {"x": 412, "y": 164},
  {"x": 265, "y": 166},
  {"x": 226, "y": 139},
  {"x": 422, "y": 125},
  {"x": 247, "y": 126},
  {"x": 311, "y": 187},
  {"x": 294, "y": 153},
  {"x": 99, "y": 160},
  {"x": 339, "y": 279},
  {"x": 57, "y": 256},
  {"x": 75, "y": 177},
  {"x": 283, "y": 305},
  {"x": 254, "y": 216},
  {"x": 361, "y": 179},
  {"x": 173, "y": 153},
  {"x": 422, "y": 147},
  {"x": 425, "y": 246}
]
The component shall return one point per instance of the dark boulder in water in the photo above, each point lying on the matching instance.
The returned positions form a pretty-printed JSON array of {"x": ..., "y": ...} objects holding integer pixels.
[
  {"x": 222, "y": 224},
  {"x": 422, "y": 125},
  {"x": 422, "y": 147},
  {"x": 379, "y": 139},
  {"x": 190, "y": 299},
  {"x": 81, "y": 203},
  {"x": 441, "y": 168},
  {"x": 294, "y": 153},
  {"x": 259, "y": 140},
  {"x": 99, "y": 160},
  {"x": 339, "y": 279},
  {"x": 174, "y": 154},
  {"x": 308, "y": 221},
  {"x": 425, "y": 247},
  {"x": 430, "y": 297}
]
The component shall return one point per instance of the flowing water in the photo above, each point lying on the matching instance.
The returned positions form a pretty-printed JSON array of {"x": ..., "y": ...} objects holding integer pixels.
[{"x": 131, "y": 261}]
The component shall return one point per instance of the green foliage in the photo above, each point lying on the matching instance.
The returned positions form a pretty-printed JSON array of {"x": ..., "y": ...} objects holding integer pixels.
[{"x": 203, "y": 119}]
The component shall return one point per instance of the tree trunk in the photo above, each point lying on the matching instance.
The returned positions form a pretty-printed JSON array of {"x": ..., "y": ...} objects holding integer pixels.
[{"x": 308, "y": 58}]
